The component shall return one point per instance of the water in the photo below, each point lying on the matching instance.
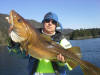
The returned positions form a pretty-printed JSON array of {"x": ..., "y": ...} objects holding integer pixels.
[
  {"x": 90, "y": 49},
  {"x": 12, "y": 65}
]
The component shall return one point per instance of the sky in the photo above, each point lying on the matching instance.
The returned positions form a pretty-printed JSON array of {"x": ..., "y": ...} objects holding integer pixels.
[{"x": 73, "y": 14}]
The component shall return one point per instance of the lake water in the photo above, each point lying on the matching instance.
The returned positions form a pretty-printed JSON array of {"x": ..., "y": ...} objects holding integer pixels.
[
  {"x": 90, "y": 49},
  {"x": 12, "y": 65}
]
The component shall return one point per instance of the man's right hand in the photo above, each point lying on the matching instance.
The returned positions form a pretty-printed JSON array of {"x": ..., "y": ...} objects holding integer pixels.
[{"x": 60, "y": 58}]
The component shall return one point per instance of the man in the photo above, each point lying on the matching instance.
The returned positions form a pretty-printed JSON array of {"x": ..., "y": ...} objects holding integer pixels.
[{"x": 46, "y": 67}]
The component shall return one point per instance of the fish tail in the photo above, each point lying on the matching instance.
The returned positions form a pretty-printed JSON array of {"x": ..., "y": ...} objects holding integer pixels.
[{"x": 89, "y": 69}]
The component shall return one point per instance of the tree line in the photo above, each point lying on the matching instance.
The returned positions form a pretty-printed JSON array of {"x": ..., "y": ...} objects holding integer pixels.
[{"x": 85, "y": 33}]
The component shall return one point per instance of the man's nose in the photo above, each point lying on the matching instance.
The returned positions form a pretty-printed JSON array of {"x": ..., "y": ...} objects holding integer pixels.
[{"x": 50, "y": 23}]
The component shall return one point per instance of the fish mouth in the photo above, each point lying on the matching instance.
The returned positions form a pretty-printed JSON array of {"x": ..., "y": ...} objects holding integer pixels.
[
  {"x": 11, "y": 17},
  {"x": 13, "y": 33}
]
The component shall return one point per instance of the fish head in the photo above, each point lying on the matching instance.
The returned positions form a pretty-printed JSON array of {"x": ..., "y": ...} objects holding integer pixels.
[
  {"x": 15, "y": 19},
  {"x": 19, "y": 26}
]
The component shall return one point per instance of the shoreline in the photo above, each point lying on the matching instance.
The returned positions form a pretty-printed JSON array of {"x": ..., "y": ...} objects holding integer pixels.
[{"x": 85, "y": 37}]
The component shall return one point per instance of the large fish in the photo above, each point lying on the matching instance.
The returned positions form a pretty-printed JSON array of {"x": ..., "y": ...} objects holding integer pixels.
[{"x": 41, "y": 47}]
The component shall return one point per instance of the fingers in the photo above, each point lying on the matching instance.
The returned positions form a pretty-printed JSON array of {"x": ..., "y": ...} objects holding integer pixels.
[{"x": 60, "y": 58}]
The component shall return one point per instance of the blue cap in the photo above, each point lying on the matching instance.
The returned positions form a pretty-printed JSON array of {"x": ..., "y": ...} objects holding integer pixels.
[{"x": 50, "y": 16}]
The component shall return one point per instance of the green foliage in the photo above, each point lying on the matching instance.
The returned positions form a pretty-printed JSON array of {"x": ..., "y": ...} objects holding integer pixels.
[{"x": 85, "y": 33}]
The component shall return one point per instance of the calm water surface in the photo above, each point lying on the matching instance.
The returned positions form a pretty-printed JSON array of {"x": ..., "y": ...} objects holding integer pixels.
[{"x": 90, "y": 49}]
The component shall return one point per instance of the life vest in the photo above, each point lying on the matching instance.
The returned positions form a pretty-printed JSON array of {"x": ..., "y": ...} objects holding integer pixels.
[{"x": 45, "y": 66}]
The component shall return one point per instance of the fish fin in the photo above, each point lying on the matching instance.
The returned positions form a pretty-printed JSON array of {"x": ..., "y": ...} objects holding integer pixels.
[
  {"x": 71, "y": 65},
  {"x": 76, "y": 51},
  {"x": 90, "y": 69}
]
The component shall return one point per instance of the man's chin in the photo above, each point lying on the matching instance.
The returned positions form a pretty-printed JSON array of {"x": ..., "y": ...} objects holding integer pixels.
[{"x": 49, "y": 30}]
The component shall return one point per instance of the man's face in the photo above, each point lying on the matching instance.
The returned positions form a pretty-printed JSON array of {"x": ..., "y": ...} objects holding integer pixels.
[{"x": 50, "y": 25}]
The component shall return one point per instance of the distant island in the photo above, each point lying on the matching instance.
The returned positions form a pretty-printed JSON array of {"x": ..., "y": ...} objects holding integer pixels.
[
  {"x": 80, "y": 34},
  {"x": 69, "y": 33}
]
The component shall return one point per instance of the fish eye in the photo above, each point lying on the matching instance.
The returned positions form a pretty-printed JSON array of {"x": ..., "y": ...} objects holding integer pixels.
[{"x": 19, "y": 20}]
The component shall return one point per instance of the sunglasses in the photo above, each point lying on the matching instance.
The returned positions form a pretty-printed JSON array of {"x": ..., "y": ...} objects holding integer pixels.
[{"x": 53, "y": 21}]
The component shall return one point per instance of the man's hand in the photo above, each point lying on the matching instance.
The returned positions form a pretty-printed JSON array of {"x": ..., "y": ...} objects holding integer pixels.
[{"x": 60, "y": 58}]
